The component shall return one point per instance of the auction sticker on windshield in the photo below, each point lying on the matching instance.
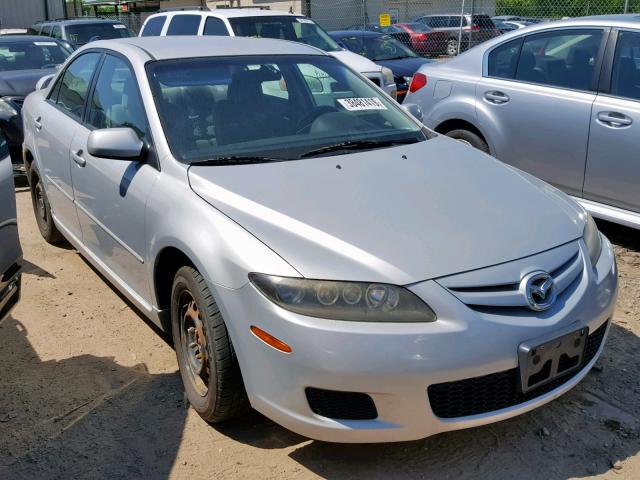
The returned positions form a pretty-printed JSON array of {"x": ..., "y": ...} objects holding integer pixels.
[
  {"x": 116, "y": 25},
  {"x": 355, "y": 104},
  {"x": 45, "y": 44}
]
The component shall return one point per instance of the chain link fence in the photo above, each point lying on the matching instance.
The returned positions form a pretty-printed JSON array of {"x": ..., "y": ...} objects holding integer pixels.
[
  {"x": 445, "y": 27},
  {"x": 133, "y": 21}
]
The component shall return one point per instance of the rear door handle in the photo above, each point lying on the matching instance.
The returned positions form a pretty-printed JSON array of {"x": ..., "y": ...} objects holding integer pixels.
[
  {"x": 496, "y": 97},
  {"x": 614, "y": 119},
  {"x": 77, "y": 157},
  {"x": 36, "y": 122}
]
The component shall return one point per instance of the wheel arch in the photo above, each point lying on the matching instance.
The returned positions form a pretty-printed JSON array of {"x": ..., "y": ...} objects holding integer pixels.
[{"x": 449, "y": 125}]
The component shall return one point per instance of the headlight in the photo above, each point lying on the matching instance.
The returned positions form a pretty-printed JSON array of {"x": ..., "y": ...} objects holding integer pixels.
[
  {"x": 6, "y": 108},
  {"x": 350, "y": 301},
  {"x": 388, "y": 76},
  {"x": 591, "y": 237}
]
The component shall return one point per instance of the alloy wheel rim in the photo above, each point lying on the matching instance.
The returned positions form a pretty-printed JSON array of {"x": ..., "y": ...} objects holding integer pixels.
[{"x": 193, "y": 342}]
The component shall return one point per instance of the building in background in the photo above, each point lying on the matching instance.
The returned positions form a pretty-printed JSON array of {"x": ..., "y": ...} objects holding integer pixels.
[{"x": 23, "y": 13}]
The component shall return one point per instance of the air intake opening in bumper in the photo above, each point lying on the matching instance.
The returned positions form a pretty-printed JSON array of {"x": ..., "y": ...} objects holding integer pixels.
[{"x": 341, "y": 405}]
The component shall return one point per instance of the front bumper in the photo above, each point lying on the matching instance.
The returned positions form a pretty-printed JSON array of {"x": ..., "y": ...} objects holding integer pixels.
[{"x": 395, "y": 364}]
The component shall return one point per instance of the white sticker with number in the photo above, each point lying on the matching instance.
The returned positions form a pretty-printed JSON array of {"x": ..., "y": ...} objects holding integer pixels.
[
  {"x": 45, "y": 44},
  {"x": 357, "y": 104},
  {"x": 117, "y": 25},
  {"x": 304, "y": 20}
]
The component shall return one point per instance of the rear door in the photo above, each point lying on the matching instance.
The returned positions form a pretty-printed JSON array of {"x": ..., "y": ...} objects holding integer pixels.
[
  {"x": 535, "y": 101},
  {"x": 56, "y": 123},
  {"x": 613, "y": 166}
]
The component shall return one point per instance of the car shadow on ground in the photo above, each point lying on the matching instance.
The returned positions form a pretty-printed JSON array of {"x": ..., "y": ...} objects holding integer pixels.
[{"x": 84, "y": 416}]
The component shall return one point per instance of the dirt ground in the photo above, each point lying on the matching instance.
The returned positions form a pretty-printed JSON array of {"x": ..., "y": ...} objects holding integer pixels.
[{"x": 88, "y": 389}]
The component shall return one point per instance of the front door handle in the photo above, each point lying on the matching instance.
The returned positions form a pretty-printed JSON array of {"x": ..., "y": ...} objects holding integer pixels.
[
  {"x": 614, "y": 119},
  {"x": 77, "y": 157},
  {"x": 36, "y": 122},
  {"x": 496, "y": 97}
]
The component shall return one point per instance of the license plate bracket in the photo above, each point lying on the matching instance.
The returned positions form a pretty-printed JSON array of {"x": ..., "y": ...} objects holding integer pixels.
[{"x": 542, "y": 360}]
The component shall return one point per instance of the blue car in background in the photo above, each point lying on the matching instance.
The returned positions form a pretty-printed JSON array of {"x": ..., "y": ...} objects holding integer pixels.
[{"x": 385, "y": 51}]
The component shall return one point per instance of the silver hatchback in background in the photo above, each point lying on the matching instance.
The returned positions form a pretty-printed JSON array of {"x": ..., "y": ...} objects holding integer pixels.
[{"x": 560, "y": 100}]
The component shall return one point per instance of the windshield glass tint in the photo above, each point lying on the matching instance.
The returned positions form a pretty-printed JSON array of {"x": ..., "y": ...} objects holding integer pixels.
[
  {"x": 86, "y": 32},
  {"x": 296, "y": 29},
  {"x": 277, "y": 106},
  {"x": 31, "y": 55},
  {"x": 377, "y": 47}
]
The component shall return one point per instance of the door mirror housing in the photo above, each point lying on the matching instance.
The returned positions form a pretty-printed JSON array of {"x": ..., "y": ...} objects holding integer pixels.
[
  {"x": 115, "y": 143},
  {"x": 414, "y": 110}
]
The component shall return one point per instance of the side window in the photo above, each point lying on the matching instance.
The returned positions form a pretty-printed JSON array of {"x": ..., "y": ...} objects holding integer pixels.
[
  {"x": 74, "y": 84},
  {"x": 116, "y": 100},
  {"x": 153, "y": 28},
  {"x": 46, "y": 30},
  {"x": 215, "y": 26},
  {"x": 184, "y": 25},
  {"x": 503, "y": 60},
  {"x": 625, "y": 81},
  {"x": 564, "y": 58},
  {"x": 56, "y": 32}
]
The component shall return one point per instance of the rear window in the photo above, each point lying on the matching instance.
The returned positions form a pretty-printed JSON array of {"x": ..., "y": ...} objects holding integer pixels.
[
  {"x": 153, "y": 27},
  {"x": 482, "y": 21},
  {"x": 82, "y": 33},
  {"x": 184, "y": 25}
]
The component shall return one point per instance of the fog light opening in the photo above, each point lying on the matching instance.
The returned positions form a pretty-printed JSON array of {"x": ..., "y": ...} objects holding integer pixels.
[{"x": 270, "y": 340}]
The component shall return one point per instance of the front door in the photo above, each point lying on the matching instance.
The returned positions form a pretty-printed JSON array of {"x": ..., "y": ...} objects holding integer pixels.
[
  {"x": 111, "y": 194},
  {"x": 535, "y": 102},
  {"x": 613, "y": 165},
  {"x": 56, "y": 121}
]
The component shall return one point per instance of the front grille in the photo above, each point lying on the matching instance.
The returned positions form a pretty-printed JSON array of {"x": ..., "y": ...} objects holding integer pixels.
[
  {"x": 341, "y": 405},
  {"x": 496, "y": 391}
]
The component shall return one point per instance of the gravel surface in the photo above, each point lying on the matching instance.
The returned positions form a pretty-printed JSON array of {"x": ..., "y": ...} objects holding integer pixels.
[{"x": 88, "y": 389}]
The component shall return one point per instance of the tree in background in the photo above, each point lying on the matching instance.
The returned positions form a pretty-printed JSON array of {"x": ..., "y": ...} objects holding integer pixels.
[{"x": 563, "y": 8}]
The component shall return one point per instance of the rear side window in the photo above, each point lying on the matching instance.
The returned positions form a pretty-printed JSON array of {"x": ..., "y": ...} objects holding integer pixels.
[
  {"x": 74, "y": 85},
  {"x": 215, "y": 26},
  {"x": 46, "y": 30},
  {"x": 57, "y": 32},
  {"x": 482, "y": 21},
  {"x": 454, "y": 22},
  {"x": 563, "y": 58},
  {"x": 153, "y": 28},
  {"x": 184, "y": 25},
  {"x": 626, "y": 66},
  {"x": 503, "y": 60}
]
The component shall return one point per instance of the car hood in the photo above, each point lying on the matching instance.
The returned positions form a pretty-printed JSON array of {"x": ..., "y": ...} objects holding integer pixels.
[
  {"x": 405, "y": 67},
  {"x": 21, "y": 82},
  {"x": 378, "y": 216},
  {"x": 357, "y": 62}
]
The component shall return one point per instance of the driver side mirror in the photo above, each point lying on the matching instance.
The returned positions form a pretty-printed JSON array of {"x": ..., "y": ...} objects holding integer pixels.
[
  {"x": 115, "y": 143},
  {"x": 414, "y": 110},
  {"x": 44, "y": 81}
]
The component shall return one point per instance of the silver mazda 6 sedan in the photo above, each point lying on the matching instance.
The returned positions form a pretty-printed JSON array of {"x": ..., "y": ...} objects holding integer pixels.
[{"x": 315, "y": 251}]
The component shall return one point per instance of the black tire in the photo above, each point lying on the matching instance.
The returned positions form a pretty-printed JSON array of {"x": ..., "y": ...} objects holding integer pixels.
[
  {"x": 451, "y": 47},
  {"x": 470, "y": 138},
  {"x": 214, "y": 383},
  {"x": 42, "y": 210}
]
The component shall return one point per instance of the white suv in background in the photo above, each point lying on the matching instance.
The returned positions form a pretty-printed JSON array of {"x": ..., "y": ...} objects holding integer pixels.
[{"x": 254, "y": 22}]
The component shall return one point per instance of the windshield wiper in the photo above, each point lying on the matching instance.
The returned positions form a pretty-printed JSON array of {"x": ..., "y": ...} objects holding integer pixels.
[
  {"x": 358, "y": 145},
  {"x": 236, "y": 160}
]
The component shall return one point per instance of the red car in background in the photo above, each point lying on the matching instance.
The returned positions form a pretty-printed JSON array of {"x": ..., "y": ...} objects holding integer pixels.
[{"x": 421, "y": 38}]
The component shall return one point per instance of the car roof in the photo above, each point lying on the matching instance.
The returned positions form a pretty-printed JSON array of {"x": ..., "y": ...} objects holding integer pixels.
[
  {"x": 25, "y": 38},
  {"x": 72, "y": 21},
  {"x": 231, "y": 12},
  {"x": 355, "y": 33},
  {"x": 629, "y": 20},
  {"x": 164, "y": 48}
]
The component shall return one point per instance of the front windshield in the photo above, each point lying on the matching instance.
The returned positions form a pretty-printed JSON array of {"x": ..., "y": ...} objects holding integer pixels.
[
  {"x": 286, "y": 27},
  {"x": 82, "y": 33},
  {"x": 31, "y": 55},
  {"x": 280, "y": 107},
  {"x": 377, "y": 47}
]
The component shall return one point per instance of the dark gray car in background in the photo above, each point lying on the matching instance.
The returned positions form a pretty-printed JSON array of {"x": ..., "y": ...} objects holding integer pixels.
[
  {"x": 475, "y": 29},
  {"x": 10, "y": 251}
]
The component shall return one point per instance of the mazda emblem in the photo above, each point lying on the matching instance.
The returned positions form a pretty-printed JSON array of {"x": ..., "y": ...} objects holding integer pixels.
[{"x": 539, "y": 290}]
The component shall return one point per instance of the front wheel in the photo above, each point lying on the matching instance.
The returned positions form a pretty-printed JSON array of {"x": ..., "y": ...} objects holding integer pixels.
[{"x": 208, "y": 364}]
